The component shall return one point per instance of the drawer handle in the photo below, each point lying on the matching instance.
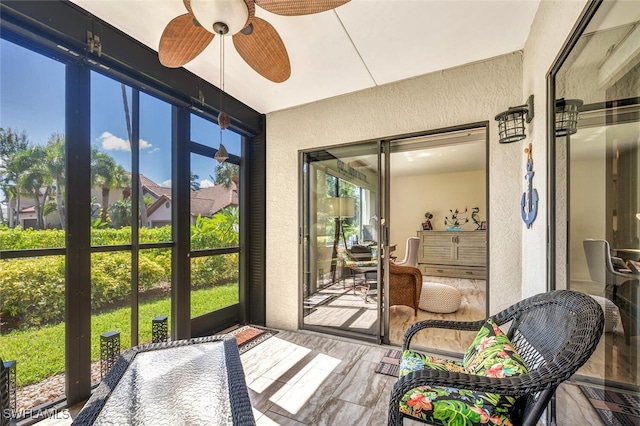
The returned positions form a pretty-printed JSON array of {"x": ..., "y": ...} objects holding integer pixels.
[
  {"x": 439, "y": 270},
  {"x": 469, "y": 272}
]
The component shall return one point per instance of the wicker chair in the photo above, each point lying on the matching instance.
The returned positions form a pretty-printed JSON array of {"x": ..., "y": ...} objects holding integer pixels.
[
  {"x": 405, "y": 285},
  {"x": 554, "y": 332}
]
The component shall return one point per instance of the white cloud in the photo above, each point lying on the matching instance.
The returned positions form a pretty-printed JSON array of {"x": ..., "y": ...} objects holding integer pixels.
[
  {"x": 167, "y": 183},
  {"x": 110, "y": 142},
  {"x": 206, "y": 183}
]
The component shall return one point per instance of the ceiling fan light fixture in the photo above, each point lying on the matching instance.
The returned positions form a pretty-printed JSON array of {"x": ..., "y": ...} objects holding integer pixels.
[
  {"x": 210, "y": 13},
  {"x": 223, "y": 120}
]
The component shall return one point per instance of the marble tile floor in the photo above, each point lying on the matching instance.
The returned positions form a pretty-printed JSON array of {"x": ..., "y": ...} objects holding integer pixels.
[
  {"x": 343, "y": 308},
  {"x": 472, "y": 308},
  {"x": 305, "y": 378}
]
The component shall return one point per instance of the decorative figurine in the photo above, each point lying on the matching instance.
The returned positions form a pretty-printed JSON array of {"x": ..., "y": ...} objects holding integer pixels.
[
  {"x": 474, "y": 217},
  {"x": 426, "y": 225},
  {"x": 457, "y": 219}
]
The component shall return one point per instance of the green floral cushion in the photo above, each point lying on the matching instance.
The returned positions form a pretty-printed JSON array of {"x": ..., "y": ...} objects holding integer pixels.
[
  {"x": 457, "y": 407},
  {"x": 415, "y": 361},
  {"x": 492, "y": 355}
]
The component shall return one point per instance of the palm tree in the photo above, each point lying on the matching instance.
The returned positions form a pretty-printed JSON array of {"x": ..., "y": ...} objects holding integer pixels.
[
  {"x": 226, "y": 173},
  {"x": 106, "y": 174},
  {"x": 143, "y": 208},
  {"x": 56, "y": 167},
  {"x": 195, "y": 185},
  {"x": 11, "y": 142},
  {"x": 33, "y": 177}
]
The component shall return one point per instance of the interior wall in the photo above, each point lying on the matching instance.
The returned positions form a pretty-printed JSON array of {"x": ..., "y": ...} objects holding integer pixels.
[
  {"x": 588, "y": 212},
  {"x": 467, "y": 94},
  {"x": 412, "y": 196},
  {"x": 552, "y": 25}
]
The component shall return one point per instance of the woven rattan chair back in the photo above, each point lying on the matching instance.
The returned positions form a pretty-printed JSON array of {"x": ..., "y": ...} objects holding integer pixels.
[{"x": 554, "y": 332}]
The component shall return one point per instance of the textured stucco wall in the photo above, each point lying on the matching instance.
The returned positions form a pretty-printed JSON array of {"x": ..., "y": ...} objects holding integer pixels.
[
  {"x": 471, "y": 93},
  {"x": 551, "y": 27}
]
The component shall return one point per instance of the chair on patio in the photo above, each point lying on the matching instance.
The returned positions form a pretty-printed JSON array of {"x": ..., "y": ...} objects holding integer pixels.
[
  {"x": 503, "y": 377},
  {"x": 359, "y": 260},
  {"x": 405, "y": 284}
]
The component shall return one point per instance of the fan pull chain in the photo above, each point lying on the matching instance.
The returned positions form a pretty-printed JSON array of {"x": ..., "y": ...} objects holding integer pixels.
[{"x": 223, "y": 117}]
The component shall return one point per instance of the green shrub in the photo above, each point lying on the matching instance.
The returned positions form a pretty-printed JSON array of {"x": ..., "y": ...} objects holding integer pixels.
[
  {"x": 214, "y": 270},
  {"x": 21, "y": 239},
  {"x": 32, "y": 291}
]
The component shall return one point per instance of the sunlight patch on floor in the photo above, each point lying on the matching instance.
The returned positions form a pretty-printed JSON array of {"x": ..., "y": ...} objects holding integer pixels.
[{"x": 305, "y": 383}]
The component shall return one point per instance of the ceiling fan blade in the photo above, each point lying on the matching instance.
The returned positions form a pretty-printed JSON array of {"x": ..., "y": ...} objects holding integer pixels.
[
  {"x": 264, "y": 51},
  {"x": 187, "y": 4},
  {"x": 299, "y": 7},
  {"x": 181, "y": 41}
]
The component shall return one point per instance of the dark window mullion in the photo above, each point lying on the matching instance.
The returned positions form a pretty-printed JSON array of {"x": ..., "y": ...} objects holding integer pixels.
[
  {"x": 135, "y": 209},
  {"x": 78, "y": 242},
  {"x": 180, "y": 208}
]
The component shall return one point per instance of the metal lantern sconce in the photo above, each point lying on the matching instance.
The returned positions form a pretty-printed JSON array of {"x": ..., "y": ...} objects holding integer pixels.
[
  {"x": 511, "y": 122},
  {"x": 567, "y": 116}
]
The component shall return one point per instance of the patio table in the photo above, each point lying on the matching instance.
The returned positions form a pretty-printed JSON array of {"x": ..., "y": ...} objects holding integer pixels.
[{"x": 186, "y": 382}]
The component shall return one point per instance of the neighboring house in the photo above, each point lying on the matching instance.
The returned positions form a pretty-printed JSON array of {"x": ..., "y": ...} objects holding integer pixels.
[
  {"x": 27, "y": 218},
  {"x": 205, "y": 202}
]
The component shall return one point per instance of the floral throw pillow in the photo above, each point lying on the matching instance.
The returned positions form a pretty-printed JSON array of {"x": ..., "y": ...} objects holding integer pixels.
[
  {"x": 492, "y": 355},
  {"x": 415, "y": 361}
]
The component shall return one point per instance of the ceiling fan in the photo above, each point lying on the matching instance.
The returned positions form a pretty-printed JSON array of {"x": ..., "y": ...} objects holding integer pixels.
[{"x": 257, "y": 41}]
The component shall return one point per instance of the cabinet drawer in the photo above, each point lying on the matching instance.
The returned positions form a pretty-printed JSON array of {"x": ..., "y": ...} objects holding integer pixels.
[{"x": 452, "y": 271}]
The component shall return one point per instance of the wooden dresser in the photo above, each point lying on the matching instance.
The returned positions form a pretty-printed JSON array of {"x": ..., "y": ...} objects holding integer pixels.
[{"x": 459, "y": 254}]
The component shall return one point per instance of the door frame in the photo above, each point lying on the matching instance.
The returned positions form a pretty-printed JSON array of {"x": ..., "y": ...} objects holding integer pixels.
[{"x": 383, "y": 230}]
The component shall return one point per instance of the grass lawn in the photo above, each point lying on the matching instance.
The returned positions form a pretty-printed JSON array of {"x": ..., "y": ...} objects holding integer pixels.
[{"x": 39, "y": 352}]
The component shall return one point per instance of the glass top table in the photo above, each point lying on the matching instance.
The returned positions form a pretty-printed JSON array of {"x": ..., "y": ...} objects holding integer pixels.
[{"x": 190, "y": 382}]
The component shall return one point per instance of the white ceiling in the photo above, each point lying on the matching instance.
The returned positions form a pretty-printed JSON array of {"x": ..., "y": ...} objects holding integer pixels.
[{"x": 362, "y": 44}]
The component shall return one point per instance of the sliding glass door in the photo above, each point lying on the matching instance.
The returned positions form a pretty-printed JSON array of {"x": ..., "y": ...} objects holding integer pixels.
[
  {"x": 371, "y": 203},
  {"x": 596, "y": 181},
  {"x": 342, "y": 249}
]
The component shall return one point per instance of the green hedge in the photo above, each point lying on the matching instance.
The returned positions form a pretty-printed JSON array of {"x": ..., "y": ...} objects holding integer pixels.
[{"x": 32, "y": 290}]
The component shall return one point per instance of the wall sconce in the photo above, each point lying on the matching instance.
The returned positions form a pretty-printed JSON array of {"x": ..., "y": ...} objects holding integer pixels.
[
  {"x": 511, "y": 122},
  {"x": 567, "y": 116}
]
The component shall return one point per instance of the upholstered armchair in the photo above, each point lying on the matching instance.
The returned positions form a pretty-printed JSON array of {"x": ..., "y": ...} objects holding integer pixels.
[
  {"x": 411, "y": 252},
  {"x": 405, "y": 284}
]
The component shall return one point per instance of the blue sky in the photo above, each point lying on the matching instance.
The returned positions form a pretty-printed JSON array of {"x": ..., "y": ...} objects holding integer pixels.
[{"x": 32, "y": 99}]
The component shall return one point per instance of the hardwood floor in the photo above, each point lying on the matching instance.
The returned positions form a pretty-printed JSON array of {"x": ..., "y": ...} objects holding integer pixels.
[{"x": 304, "y": 378}]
